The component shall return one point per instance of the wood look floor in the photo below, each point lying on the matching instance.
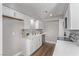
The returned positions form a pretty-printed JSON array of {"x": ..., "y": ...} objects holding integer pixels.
[{"x": 45, "y": 50}]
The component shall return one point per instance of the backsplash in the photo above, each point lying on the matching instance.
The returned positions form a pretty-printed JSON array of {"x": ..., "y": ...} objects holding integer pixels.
[{"x": 74, "y": 35}]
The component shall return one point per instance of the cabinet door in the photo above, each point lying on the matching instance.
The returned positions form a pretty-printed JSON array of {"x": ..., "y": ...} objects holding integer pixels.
[
  {"x": 37, "y": 42},
  {"x": 74, "y": 10},
  {"x": 12, "y": 13},
  {"x": 28, "y": 46},
  {"x": 32, "y": 45},
  {"x": 19, "y": 15},
  {"x": 41, "y": 25},
  {"x": 40, "y": 40},
  {"x": 7, "y": 11},
  {"x": 27, "y": 23}
]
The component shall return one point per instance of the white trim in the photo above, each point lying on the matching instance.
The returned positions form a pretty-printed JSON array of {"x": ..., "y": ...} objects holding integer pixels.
[
  {"x": 51, "y": 42},
  {"x": 19, "y": 53}
]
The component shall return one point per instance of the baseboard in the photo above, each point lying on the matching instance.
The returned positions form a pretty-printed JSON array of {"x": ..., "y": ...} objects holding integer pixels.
[
  {"x": 19, "y": 53},
  {"x": 51, "y": 42}
]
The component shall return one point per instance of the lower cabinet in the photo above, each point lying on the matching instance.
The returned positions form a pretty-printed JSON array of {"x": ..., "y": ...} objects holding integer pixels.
[{"x": 33, "y": 43}]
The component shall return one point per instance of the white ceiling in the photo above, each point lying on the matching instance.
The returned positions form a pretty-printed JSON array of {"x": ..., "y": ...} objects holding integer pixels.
[{"x": 40, "y": 10}]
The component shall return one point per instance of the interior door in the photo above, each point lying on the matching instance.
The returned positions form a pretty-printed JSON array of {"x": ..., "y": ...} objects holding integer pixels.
[{"x": 51, "y": 31}]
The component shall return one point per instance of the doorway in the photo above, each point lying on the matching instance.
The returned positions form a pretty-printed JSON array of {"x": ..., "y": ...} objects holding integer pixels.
[{"x": 51, "y": 29}]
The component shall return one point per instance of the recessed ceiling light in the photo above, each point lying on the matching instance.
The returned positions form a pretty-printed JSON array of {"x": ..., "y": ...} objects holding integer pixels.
[
  {"x": 32, "y": 21},
  {"x": 50, "y": 14}
]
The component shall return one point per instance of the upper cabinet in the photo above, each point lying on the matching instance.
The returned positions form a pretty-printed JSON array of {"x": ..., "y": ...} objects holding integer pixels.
[
  {"x": 29, "y": 23},
  {"x": 19, "y": 15},
  {"x": 12, "y": 13},
  {"x": 41, "y": 25},
  {"x": 7, "y": 11},
  {"x": 72, "y": 16},
  {"x": 74, "y": 12}
]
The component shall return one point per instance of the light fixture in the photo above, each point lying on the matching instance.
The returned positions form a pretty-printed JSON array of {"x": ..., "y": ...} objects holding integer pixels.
[
  {"x": 50, "y": 14},
  {"x": 32, "y": 21}
]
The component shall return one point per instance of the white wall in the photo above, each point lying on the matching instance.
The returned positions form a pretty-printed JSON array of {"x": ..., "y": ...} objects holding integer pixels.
[
  {"x": 0, "y": 30},
  {"x": 51, "y": 30},
  {"x": 54, "y": 29},
  {"x": 61, "y": 28},
  {"x": 12, "y": 37}
]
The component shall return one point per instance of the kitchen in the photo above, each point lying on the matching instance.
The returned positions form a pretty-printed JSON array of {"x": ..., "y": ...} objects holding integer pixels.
[{"x": 27, "y": 27}]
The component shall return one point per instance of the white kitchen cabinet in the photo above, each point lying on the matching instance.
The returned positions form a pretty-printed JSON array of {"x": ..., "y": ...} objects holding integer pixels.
[
  {"x": 27, "y": 20},
  {"x": 19, "y": 15},
  {"x": 39, "y": 40},
  {"x": 37, "y": 24},
  {"x": 30, "y": 23},
  {"x": 27, "y": 23},
  {"x": 74, "y": 12},
  {"x": 33, "y": 43},
  {"x": 12, "y": 13},
  {"x": 72, "y": 15},
  {"x": 7, "y": 11},
  {"x": 41, "y": 25}
]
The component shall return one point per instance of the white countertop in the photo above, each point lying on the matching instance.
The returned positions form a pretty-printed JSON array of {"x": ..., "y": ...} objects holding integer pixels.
[{"x": 65, "y": 48}]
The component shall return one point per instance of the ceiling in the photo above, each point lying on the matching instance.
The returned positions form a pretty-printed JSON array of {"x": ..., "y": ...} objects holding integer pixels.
[{"x": 40, "y": 10}]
